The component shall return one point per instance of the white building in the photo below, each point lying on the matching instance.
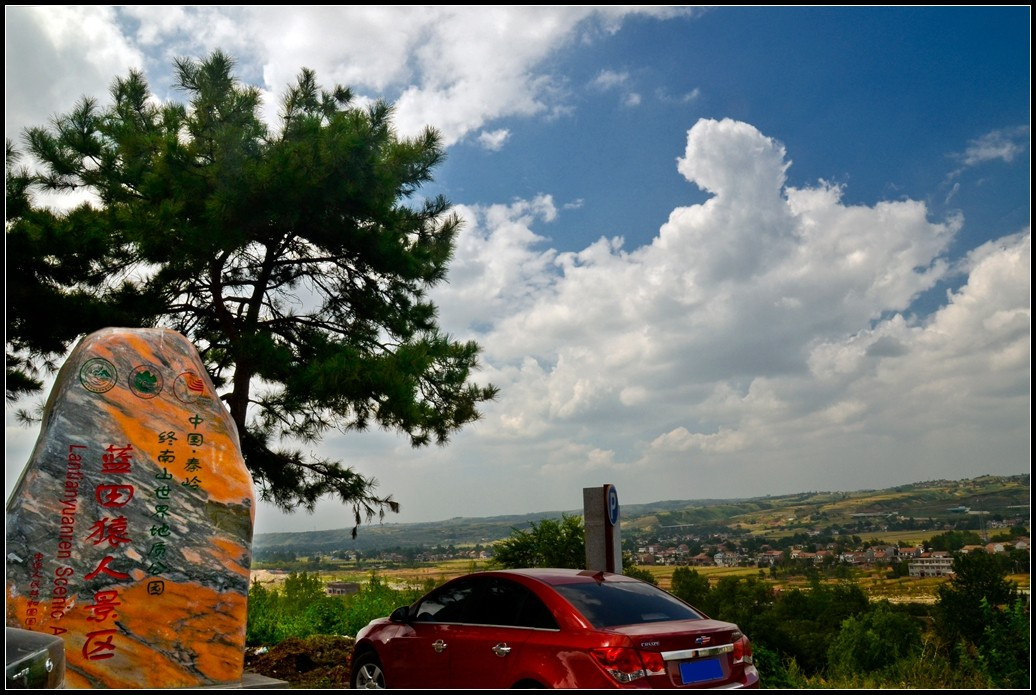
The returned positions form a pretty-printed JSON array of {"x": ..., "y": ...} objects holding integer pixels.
[{"x": 931, "y": 565}]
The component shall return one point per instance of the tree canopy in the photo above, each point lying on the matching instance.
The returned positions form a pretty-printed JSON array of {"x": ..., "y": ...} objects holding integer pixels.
[
  {"x": 979, "y": 586},
  {"x": 547, "y": 543},
  {"x": 297, "y": 259}
]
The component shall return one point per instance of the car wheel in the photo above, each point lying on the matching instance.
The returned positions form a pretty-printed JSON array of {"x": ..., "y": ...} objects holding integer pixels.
[{"x": 367, "y": 672}]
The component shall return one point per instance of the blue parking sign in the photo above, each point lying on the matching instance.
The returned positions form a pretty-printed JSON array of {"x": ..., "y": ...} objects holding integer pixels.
[{"x": 613, "y": 505}]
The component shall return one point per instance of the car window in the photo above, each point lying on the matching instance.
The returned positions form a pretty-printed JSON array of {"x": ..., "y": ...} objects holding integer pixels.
[
  {"x": 509, "y": 604},
  {"x": 486, "y": 601},
  {"x": 534, "y": 613},
  {"x": 451, "y": 603},
  {"x": 608, "y": 604}
]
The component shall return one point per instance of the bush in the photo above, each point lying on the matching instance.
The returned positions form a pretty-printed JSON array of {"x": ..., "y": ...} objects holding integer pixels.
[
  {"x": 873, "y": 641},
  {"x": 302, "y": 609},
  {"x": 1003, "y": 650},
  {"x": 978, "y": 589},
  {"x": 775, "y": 671},
  {"x": 548, "y": 543},
  {"x": 376, "y": 599},
  {"x": 263, "y": 616},
  {"x": 691, "y": 586},
  {"x": 631, "y": 569}
]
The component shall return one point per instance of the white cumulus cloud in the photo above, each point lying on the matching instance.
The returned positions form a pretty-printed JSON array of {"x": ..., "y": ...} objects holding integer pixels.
[
  {"x": 764, "y": 328},
  {"x": 493, "y": 140}
]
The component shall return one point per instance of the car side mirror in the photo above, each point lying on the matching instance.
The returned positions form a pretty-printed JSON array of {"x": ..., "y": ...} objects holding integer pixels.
[{"x": 400, "y": 615}]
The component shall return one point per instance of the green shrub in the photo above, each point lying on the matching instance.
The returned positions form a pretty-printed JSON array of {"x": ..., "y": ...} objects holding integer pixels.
[
  {"x": 547, "y": 543},
  {"x": 775, "y": 671},
  {"x": 301, "y": 609},
  {"x": 873, "y": 641},
  {"x": 376, "y": 599},
  {"x": 1003, "y": 649},
  {"x": 631, "y": 570},
  {"x": 691, "y": 586},
  {"x": 979, "y": 588},
  {"x": 263, "y": 616}
]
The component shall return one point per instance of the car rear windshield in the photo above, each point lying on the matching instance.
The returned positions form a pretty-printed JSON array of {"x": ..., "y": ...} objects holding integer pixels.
[{"x": 609, "y": 604}]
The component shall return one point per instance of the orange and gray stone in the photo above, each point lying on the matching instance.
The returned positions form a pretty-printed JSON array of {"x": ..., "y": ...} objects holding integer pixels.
[{"x": 129, "y": 533}]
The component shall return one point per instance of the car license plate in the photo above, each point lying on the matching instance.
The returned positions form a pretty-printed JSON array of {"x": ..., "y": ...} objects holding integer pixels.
[{"x": 701, "y": 670}]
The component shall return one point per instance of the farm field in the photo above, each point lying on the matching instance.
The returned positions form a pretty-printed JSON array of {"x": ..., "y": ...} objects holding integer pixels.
[{"x": 873, "y": 582}]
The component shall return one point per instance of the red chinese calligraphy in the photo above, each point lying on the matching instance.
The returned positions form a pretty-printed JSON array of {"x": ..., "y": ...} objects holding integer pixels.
[
  {"x": 99, "y": 645},
  {"x": 117, "y": 459},
  {"x": 111, "y": 530},
  {"x": 113, "y": 495},
  {"x": 103, "y": 567},
  {"x": 103, "y": 606}
]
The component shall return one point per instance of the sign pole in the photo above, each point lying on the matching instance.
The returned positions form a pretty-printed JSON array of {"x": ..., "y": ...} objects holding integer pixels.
[{"x": 601, "y": 522}]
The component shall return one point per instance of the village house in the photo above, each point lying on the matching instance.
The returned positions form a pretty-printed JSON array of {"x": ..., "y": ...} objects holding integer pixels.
[
  {"x": 702, "y": 560},
  {"x": 341, "y": 588},
  {"x": 938, "y": 563},
  {"x": 882, "y": 553}
]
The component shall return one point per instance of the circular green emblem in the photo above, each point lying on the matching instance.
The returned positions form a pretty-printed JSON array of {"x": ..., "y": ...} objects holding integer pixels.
[
  {"x": 145, "y": 381},
  {"x": 98, "y": 375}
]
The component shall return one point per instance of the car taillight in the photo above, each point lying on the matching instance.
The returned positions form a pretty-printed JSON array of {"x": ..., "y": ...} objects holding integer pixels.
[
  {"x": 742, "y": 651},
  {"x": 621, "y": 663},
  {"x": 653, "y": 662}
]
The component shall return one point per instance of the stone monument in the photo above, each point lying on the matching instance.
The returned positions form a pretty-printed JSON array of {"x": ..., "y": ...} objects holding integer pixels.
[{"x": 129, "y": 532}]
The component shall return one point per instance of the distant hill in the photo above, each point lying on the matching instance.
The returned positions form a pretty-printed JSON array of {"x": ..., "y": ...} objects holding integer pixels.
[{"x": 935, "y": 499}]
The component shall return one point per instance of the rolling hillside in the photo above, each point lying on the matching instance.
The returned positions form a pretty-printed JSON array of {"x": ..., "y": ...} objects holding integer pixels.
[{"x": 938, "y": 500}]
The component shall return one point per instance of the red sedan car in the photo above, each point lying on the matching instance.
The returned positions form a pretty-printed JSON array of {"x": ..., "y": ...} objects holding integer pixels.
[{"x": 551, "y": 628}]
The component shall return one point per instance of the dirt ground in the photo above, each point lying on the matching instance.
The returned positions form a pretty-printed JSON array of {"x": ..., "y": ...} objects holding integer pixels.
[{"x": 314, "y": 662}]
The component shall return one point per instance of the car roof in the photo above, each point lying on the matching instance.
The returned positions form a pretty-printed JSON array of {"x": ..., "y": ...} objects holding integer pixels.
[{"x": 560, "y": 575}]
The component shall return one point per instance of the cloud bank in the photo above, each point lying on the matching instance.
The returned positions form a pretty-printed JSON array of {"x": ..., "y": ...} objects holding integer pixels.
[
  {"x": 757, "y": 344},
  {"x": 454, "y": 68}
]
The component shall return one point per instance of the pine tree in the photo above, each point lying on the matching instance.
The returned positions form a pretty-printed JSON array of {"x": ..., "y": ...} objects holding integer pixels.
[{"x": 297, "y": 259}]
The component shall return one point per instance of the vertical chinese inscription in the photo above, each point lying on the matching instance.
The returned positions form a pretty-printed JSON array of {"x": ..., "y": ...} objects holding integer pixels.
[{"x": 108, "y": 533}]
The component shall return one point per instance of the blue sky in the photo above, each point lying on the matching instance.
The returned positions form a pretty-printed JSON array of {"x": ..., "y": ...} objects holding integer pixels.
[
  {"x": 708, "y": 253},
  {"x": 879, "y": 100}
]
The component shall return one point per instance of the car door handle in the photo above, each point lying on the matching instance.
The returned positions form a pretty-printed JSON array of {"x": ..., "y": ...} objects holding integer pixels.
[
  {"x": 438, "y": 645},
  {"x": 502, "y": 649}
]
